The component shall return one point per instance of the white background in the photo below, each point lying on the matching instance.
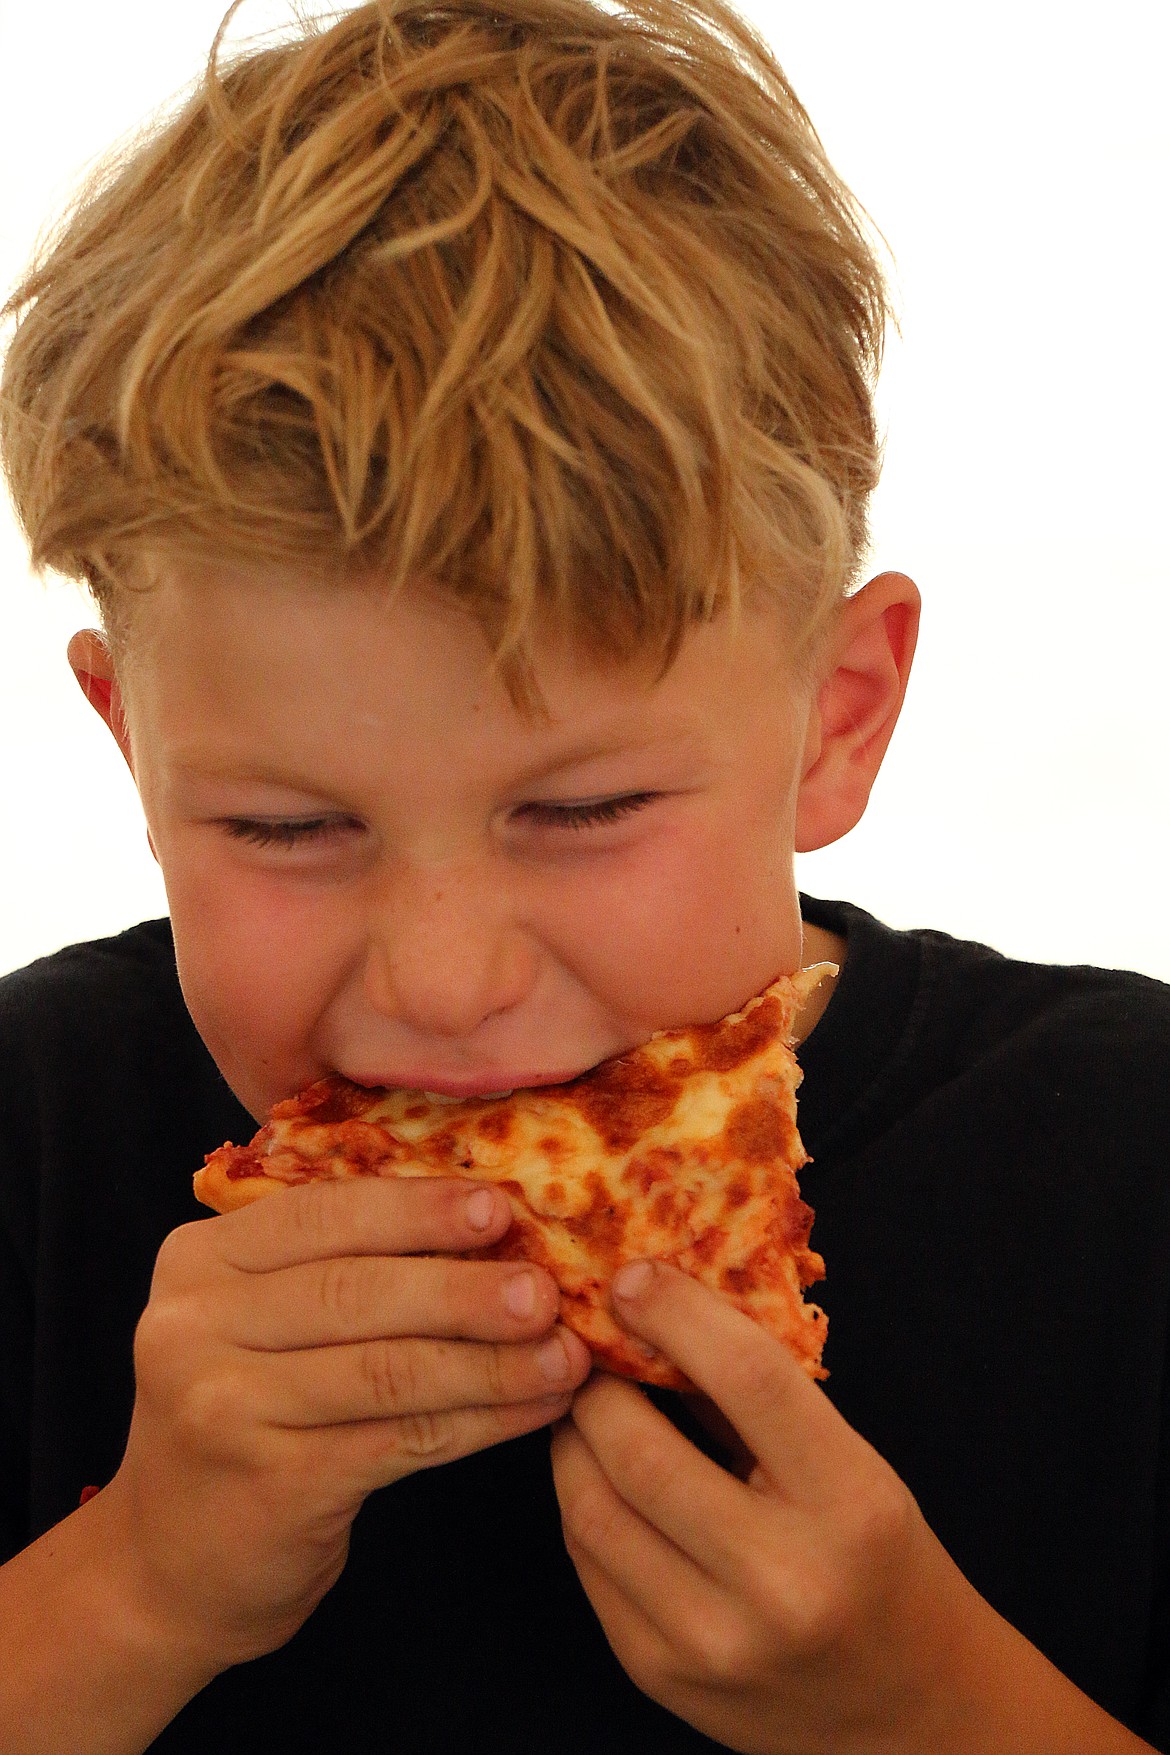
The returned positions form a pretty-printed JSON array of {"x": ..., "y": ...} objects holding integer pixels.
[{"x": 1015, "y": 157}]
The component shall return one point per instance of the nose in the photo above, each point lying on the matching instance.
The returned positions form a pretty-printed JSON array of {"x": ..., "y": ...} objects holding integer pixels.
[{"x": 445, "y": 953}]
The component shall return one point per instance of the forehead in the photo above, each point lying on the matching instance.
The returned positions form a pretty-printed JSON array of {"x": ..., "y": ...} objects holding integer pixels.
[{"x": 224, "y": 653}]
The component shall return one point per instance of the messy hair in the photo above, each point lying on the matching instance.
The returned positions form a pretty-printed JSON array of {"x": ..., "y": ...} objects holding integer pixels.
[{"x": 561, "y": 308}]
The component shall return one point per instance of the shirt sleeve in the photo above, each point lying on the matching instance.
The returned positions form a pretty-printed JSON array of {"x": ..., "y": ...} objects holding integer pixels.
[
  {"x": 17, "y": 1252},
  {"x": 1153, "y": 1722}
]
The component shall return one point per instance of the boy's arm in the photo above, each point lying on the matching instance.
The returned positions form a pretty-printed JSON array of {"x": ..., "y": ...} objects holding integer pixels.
[
  {"x": 87, "y": 1666},
  {"x": 806, "y": 1610}
]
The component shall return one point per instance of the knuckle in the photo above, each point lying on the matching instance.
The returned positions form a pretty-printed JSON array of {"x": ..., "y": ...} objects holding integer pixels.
[
  {"x": 882, "y": 1517},
  {"x": 342, "y": 1289},
  {"x": 804, "y": 1609},
  {"x": 817, "y": 1617},
  {"x": 723, "y": 1652},
  {"x": 495, "y": 1386},
  {"x": 644, "y": 1467},
  {"x": 763, "y": 1380},
  {"x": 309, "y": 1210},
  {"x": 173, "y": 1263},
  {"x": 878, "y": 1539},
  {"x": 391, "y": 1377},
  {"x": 162, "y": 1340},
  {"x": 450, "y": 1290},
  {"x": 644, "y": 1662},
  {"x": 426, "y": 1435},
  {"x": 212, "y": 1408},
  {"x": 588, "y": 1523}
]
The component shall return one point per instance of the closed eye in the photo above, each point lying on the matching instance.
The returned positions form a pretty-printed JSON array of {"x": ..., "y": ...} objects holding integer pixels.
[
  {"x": 284, "y": 831},
  {"x": 587, "y": 815},
  {"x": 304, "y": 831}
]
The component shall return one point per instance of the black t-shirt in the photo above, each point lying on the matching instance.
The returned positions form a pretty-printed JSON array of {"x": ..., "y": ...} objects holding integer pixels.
[{"x": 992, "y": 1193}]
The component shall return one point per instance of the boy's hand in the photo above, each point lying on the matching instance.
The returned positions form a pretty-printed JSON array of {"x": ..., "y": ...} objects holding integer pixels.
[
  {"x": 293, "y": 1356},
  {"x": 802, "y": 1610}
]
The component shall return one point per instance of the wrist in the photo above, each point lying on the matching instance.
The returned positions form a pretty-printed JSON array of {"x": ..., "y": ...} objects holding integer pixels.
[
  {"x": 89, "y": 1664},
  {"x": 116, "y": 1589},
  {"x": 1002, "y": 1696}
]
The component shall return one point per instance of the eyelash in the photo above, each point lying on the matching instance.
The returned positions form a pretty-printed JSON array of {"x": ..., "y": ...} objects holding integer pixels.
[
  {"x": 277, "y": 832},
  {"x": 260, "y": 832},
  {"x": 585, "y": 816}
]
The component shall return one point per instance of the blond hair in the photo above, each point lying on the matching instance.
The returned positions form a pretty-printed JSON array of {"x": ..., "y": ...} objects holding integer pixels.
[{"x": 561, "y": 308}]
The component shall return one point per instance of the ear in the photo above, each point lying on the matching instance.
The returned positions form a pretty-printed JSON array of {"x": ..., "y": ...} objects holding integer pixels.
[
  {"x": 863, "y": 683},
  {"x": 91, "y": 664}
]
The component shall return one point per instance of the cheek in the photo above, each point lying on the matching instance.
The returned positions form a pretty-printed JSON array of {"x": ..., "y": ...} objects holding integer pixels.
[
  {"x": 256, "y": 964},
  {"x": 690, "y": 926}
]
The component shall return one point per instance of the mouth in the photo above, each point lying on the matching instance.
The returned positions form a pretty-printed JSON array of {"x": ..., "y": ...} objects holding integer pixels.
[{"x": 454, "y": 1090}]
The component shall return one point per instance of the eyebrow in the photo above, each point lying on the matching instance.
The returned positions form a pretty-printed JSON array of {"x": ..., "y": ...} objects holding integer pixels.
[{"x": 679, "y": 740}]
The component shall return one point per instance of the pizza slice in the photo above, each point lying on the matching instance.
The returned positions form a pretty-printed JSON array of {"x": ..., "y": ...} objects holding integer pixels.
[{"x": 684, "y": 1150}]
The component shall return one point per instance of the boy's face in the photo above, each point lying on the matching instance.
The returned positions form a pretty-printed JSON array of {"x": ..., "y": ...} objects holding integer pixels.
[{"x": 376, "y": 864}]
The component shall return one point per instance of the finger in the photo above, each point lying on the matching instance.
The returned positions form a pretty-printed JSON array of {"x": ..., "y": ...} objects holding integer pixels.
[
  {"x": 636, "y": 1641},
  {"x": 368, "y": 1297},
  {"x": 376, "y": 1215},
  {"x": 650, "y": 1598},
  {"x": 366, "y": 1454},
  {"x": 664, "y": 1482},
  {"x": 786, "y": 1421},
  {"x": 385, "y": 1380}
]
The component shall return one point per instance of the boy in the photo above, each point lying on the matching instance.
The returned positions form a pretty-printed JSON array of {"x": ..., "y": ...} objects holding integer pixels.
[{"x": 463, "y": 419}]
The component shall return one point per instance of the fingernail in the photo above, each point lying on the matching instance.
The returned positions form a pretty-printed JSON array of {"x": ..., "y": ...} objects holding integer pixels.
[
  {"x": 632, "y": 1280},
  {"x": 481, "y": 1209},
  {"x": 520, "y": 1295},
  {"x": 553, "y": 1360}
]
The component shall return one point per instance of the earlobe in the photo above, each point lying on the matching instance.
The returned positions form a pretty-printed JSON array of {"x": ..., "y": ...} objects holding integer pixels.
[
  {"x": 92, "y": 665},
  {"x": 867, "y": 667}
]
